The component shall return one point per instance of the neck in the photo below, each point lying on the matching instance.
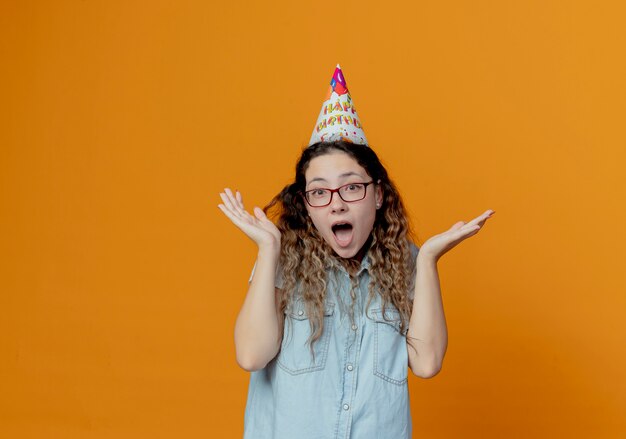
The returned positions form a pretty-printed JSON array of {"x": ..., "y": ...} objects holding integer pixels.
[{"x": 361, "y": 253}]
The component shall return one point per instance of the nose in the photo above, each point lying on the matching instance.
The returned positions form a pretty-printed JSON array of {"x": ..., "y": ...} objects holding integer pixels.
[{"x": 337, "y": 204}]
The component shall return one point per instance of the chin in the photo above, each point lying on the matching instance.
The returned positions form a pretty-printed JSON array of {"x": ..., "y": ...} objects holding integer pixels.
[{"x": 346, "y": 252}]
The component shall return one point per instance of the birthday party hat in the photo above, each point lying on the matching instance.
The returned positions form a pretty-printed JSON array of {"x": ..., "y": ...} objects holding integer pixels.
[{"x": 338, "y": 119}]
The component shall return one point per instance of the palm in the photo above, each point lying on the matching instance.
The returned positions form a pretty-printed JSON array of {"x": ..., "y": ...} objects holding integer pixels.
[
  {"x": 258, "y": 227},
  {"x": 440, "y": 244}
]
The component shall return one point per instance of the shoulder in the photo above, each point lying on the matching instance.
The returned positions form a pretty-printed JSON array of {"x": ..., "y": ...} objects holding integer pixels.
[{"x": 414, "y": 249}]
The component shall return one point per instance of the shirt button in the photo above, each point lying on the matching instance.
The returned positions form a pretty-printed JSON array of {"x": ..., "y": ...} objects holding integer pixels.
[
  {"x": 300, "y": 312},
  {"x": 350, "y": 367},
  {"x": 354, "y": 327},
  {"x": 346, "y": 406}
]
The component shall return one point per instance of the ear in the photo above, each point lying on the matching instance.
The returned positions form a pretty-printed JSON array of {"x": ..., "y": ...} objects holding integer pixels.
[
  {"x": 305, "y": 204},
  {"x": 307, "y": 207},
  {"x": 379, "y": 194}
]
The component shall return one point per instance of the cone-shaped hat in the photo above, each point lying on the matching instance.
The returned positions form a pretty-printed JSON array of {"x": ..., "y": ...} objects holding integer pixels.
[{"x": 338, "y": 118}]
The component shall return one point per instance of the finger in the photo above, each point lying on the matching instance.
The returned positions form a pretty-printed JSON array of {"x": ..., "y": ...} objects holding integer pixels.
[
  {"x": 239, "y": 199},
  {"x": 229, "y": 214},
  {"x": 239, "y": 209},
  {"x": 228, "y": 203},
  {"x": 231, "y": 196},
  {"x": 480, "y": 218},
  {"x": 232, "y": 202},
  {"x": 242, "y": 223}
]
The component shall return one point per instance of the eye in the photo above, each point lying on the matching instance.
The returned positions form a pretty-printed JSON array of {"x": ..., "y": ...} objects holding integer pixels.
[
  {"x": 353, "y": 187},
  {"x": 317, "y": 192}
]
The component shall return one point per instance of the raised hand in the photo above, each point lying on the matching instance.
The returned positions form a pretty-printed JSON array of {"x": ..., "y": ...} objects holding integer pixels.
[
  {"x": 440, "y": 244},
  {"x": 258, "y": 227}
]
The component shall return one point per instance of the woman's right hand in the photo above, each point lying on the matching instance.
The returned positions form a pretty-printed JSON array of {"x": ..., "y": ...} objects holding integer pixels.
[{"x": 258, "y": 227}]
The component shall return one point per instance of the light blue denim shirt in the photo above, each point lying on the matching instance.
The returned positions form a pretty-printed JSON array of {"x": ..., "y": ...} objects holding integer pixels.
[{"x": 356, "y": 387}]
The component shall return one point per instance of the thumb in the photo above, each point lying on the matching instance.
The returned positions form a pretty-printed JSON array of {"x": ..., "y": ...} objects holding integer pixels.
[
  {"x": 457, "y": 225},
  {"x": 258, "y": 212}
]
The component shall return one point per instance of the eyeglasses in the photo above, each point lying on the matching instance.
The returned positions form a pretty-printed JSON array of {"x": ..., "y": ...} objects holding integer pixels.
[{"x": 349, "y": 193}]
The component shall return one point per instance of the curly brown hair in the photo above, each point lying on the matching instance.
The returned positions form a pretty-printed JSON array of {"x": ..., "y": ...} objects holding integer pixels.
[{"x": 305, "y": 256}]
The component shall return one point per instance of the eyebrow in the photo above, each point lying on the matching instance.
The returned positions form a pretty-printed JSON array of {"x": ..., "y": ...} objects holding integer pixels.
[{"x": 345, "y": 174}]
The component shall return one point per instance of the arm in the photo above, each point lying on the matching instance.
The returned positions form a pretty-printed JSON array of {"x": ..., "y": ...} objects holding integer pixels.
[
  {"x": 427, "y": 326},
  {"x": 256, "y": 328}
]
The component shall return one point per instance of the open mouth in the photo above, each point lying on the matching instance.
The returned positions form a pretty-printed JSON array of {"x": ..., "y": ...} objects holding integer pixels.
[{"x": 343, "y": 233}]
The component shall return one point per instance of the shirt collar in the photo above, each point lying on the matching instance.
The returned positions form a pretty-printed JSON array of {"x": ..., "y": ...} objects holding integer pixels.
[{"x": 365, "y": 263}]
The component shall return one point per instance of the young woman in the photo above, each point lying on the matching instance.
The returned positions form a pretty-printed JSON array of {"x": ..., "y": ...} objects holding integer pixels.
[{"x": 341, "y": 303}]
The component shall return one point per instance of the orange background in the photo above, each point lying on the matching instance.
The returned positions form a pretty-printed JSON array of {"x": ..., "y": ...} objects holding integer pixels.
[{"x": 120, "y": 278}]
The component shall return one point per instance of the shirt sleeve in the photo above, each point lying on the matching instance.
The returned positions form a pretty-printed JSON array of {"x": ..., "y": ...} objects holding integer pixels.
[
  {"x": 414, "y": 250},
  {"x": 278, "y": 283},
  {"x": 414, "y": 253}
]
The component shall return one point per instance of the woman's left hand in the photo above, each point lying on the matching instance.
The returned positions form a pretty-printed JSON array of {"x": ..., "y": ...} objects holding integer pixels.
[{"x": 440, "y": 244}]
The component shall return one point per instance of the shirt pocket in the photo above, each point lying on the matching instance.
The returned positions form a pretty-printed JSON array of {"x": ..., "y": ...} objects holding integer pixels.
[
  {"x": 295, "y": 355},
  {"x": 391, "y": 360}
]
